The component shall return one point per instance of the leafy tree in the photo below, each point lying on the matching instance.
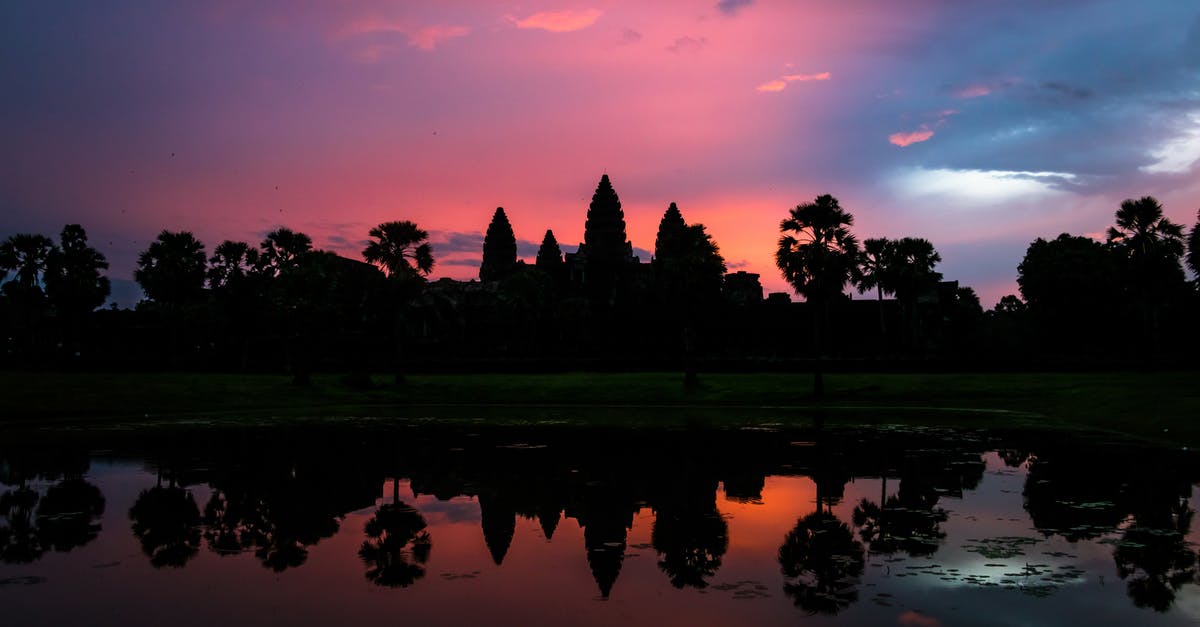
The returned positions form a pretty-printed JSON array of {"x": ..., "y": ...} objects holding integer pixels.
[
  {"x": 402, "y": 251},
  {"x": 499, "y": 249},
  {"x": 1150, "y": 246},
  {"x": 817, "y": 255},
  {"x": 1009, "y": 304},
  {"x": 1193, "y": 249},
  {"x": 1068, "y": 284},
  {"x": 171, "y": 270},
  {"x": 688, "y": 271}
]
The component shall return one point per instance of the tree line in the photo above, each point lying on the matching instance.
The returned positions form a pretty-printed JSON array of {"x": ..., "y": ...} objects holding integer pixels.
[{"x": 284, "y": 305}]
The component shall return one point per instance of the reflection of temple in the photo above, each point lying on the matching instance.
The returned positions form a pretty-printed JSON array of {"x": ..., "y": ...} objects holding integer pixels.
[{"x": 274, "y": 498}]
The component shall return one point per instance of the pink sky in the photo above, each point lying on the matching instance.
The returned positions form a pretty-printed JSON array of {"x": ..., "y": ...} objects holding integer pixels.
[{"x": 923, "y": 119}]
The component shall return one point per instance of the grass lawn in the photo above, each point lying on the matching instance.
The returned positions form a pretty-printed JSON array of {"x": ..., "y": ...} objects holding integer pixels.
[{"x": 1159, "y": 406}]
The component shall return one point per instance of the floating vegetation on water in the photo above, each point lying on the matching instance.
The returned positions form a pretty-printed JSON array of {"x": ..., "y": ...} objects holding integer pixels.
[
  {"x": 744, "y": 589},
  {"x": 1002, "y": 547}
]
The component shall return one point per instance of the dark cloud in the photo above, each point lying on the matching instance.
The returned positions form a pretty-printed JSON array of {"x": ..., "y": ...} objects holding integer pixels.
[
  {"x": 447, "y": 242},
  {"x": 731, "y": 7},
  {"x": 1067, "y": 89},
  {"x": 630, "y": 36}
]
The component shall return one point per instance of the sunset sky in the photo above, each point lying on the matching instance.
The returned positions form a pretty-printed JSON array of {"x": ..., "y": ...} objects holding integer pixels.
[{"x": 976, "y": 124}]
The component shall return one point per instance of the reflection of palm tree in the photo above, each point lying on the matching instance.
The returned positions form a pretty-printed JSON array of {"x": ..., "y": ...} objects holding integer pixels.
[
  {"x": 909, "y": 522},
  {"x": 821, "y": 562},
  {"x": 690, "y": 543},
  {"x": 397, "y": 546},
  {"x": 19, "y": 540},
  {"x": 166, "y": 521}
]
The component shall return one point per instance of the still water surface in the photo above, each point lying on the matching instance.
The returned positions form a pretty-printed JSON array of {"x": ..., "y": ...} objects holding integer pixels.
[{"x": 452, "y": 527}]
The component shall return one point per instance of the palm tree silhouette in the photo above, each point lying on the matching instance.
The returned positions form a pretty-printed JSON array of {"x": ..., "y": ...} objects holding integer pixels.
[
  {"x": 817, "y": 255},
  {"x": 402, "y": 251},
  {"x": 1152, "y": 245},
  {"x": 872, "y": 272}
]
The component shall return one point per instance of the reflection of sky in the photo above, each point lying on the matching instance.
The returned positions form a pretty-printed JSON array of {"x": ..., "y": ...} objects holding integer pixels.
[
  {"x": 979, "y": 125},
  {"x": 548, "y": 582}
]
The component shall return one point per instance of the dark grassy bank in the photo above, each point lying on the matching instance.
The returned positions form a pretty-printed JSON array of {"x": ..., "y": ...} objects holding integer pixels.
[{"x": 1163, "y": 406}]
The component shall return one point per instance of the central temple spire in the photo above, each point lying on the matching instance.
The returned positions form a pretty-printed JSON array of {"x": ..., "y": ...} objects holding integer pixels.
[{"x": 604, "y": 231}]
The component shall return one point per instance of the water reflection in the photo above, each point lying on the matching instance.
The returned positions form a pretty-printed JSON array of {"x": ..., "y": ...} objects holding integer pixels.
[
  {"x": 46, "y": 505},
  {"x": 869, "y": 522}
]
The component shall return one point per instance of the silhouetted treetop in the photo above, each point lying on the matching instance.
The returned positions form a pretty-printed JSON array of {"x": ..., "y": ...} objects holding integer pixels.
[
  {"x": 231, "y": 263},
  {"x": 1193, "y": 248},
  {"x": 171, "y": 270},
  {"x": 817, "y": 252},
  {"x": 549, "y": 255},
  {"x": 912, "y": 265},
  {"x": 73, "y": 280},
  {"x": 499, "y": 248},
  {"x": 25, "y": 254},
  {"x": 400, "y": 249},
  {"x": 283, "y": 249}
]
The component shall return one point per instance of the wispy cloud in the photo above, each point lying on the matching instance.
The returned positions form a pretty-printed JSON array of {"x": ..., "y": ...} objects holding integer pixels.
[
  {"x": 804, "y": 78},
  {"x": 924, "y": 133},
  {"x": 912, "y": 137},
  {"x": 559, "y": 21},
  {"x": 423, "y": 37},
  {"x": 781, "y": 83},
  {"x": 428, "y": 37},
  {"x": 630, "y": 36},
  {"x": 731, "y": 7},
  {"x": 687, "y": 44},
  {"x": 973, "y": 91},
  {"x": 772, "y": 86}
]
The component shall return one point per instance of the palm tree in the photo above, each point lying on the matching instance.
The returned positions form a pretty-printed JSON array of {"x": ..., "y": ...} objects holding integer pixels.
[
  {"x": 402, "y": 251},
  {"x": 873, "y": 270},
  {"x": 26, "y": 255},
  {"x": 817, "y": 255},
  {"x": 171, "y": 270},
  {"x": 171, "y": 273},
  {"x": 1152, "y": 246},
  {"x": 235, "y": 276},
  {"x": 911, "y": 275}
]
